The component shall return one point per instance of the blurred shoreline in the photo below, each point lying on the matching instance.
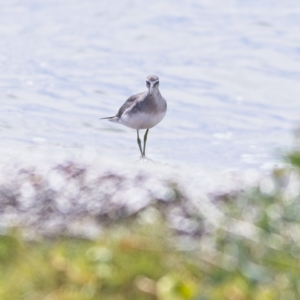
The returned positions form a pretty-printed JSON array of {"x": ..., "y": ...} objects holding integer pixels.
[{"x": 55, "y": 194}]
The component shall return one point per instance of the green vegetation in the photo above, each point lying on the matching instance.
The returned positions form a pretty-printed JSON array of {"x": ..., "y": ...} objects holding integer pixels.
[
  {"x": 121, "y": 265},
  {"x": 254, "y": 253}
]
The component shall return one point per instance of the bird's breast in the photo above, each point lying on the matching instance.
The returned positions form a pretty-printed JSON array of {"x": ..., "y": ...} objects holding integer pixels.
[{"x": 141, "y": 120}]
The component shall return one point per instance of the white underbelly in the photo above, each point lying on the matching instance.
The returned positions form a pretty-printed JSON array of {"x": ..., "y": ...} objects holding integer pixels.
[{"x": 141, "y": 120}]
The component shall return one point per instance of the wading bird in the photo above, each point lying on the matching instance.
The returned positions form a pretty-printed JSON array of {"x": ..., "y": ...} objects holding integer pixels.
[{"x": 142, "y": 111}]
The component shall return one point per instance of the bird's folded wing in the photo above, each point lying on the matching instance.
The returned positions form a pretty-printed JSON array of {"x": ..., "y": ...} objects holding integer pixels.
[{"x": 130, "y": 102}]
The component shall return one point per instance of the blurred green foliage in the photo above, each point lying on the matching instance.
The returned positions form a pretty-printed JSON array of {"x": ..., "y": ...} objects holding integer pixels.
[
  {"x": 122, "y": 264},
  {"x": 254, "y": 253}
]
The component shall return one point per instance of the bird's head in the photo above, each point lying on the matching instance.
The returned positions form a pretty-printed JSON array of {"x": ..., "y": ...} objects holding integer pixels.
[{"x": 152, "y": 83}]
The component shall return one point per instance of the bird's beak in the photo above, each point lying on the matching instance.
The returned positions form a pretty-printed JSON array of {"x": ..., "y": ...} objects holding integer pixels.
[{"x": 151, "y": 89}]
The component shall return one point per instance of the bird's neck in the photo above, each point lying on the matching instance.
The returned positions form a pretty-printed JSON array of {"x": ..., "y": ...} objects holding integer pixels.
[{"x": 155, "y": 92}]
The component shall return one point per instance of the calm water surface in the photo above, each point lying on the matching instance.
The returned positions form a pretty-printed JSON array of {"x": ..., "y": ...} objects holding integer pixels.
[{"x": 230, "y": 73}]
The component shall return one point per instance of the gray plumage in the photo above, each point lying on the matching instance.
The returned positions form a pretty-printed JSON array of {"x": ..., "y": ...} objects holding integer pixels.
[{"x": 143, "y": 110}]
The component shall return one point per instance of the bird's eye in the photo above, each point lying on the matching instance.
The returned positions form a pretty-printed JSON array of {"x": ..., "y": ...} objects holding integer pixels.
[
  {"x": 156, "y": 83},
  {"x": 147, "y": 82}
]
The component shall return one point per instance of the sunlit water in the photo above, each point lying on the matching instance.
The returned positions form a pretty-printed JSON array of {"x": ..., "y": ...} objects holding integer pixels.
[{"x": 229, "y": 70}]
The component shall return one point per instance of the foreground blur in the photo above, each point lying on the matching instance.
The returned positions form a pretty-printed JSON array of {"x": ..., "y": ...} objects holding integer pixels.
[{"x": 145, "y": 233}]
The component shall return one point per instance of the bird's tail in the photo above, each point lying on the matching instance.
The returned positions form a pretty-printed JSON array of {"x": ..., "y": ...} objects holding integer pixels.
[
  {"x": 107, "y": 118},
  {"x": 112, "y": 119}
]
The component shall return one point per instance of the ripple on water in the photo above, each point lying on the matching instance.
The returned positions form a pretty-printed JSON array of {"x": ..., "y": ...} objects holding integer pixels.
[{"x": 230, "y": 76}]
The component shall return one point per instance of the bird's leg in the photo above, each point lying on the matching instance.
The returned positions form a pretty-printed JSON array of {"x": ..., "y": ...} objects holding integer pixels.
[
  {"x": 145, "y": 140},
  {"x": 139, "y": 142}
]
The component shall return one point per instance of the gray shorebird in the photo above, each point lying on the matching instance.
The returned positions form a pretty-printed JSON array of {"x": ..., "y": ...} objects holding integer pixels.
[{"x": 142, "y": 111}]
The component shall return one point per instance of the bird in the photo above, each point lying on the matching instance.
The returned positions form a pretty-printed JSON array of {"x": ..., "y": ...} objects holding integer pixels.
[{"x": 142, "y": 111}]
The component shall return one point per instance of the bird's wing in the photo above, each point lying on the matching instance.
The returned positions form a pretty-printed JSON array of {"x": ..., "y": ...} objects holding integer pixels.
[{"x": 134, "y": 99}]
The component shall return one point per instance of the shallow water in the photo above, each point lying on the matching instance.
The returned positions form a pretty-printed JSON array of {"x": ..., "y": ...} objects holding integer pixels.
[{"x": 230, "y": 75}]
